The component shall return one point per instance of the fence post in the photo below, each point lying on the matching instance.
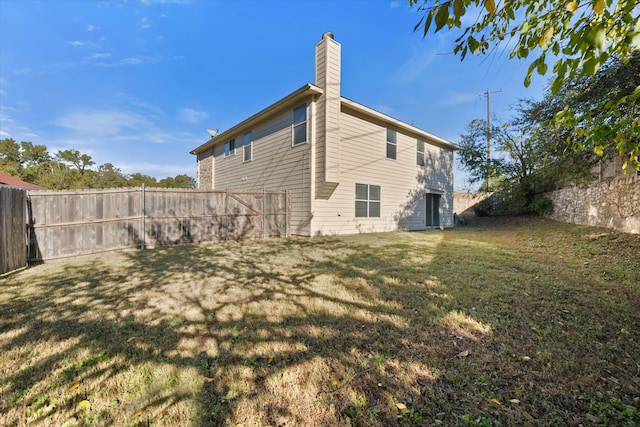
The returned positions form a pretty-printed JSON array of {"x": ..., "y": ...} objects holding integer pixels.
[
  {"x": 264, "y": 212},
  {"x": 286, "y": 213},
  {"x": 226, "y": 214},
  {"x": 142, "y": 219}
]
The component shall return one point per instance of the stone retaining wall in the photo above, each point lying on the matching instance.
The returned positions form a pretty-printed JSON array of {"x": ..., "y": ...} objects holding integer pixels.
[
  {"x": 464, "y": 201},
  {"x": 613, "y": 203}
]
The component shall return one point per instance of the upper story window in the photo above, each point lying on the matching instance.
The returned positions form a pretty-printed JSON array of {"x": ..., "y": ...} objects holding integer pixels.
[
  {"x": 300, "y": 125},
  {"x": 391, "y": 144},
  {"x": 367, "y": 201},
  {"x": 230, "y": 148},
  {"x": 420, "y": 153},
  {"x": 247, "y": 147}
]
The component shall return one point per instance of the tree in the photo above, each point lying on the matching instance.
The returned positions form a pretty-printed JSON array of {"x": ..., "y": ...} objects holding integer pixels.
[
  {"x": 137, "y": 180},
  {"x": 109, "y": 176},
  {"x": 10, "y": 159},
  {"x": 180, "y": 181},
  {"x": 577, "y": 38},
  {"x": 71, "y": 169},
  {"x": 473, "y": 153}
]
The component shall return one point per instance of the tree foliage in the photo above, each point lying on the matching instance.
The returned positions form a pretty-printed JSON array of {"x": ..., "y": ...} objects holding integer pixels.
[
  {"x": 71, "y": 169},
  {"x": 572, "y": 38},
  {"x": 532, "y": 156}
]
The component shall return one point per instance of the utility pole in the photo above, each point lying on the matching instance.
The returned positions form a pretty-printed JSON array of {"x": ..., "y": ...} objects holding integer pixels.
[{"x": 488, "y": 95}]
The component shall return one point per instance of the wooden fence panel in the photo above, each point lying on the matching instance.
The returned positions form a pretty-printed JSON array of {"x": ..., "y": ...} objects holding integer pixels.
[
  {"x": 66, "y": 224},
  {"x": 71, "y": 223},
  {"x": 13, "y": 231}
]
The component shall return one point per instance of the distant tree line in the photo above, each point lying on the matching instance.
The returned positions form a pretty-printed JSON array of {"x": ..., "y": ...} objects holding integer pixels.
[{"x": 71, "y": 169}]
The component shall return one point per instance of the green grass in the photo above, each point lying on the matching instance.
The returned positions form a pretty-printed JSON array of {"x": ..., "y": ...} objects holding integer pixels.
[{"x": 510, "y": 321}]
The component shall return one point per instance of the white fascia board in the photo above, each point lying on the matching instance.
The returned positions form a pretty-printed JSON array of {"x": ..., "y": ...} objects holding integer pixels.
[
  {"x": 287, "y": 102},
  {"x": 400, "y": 125}
]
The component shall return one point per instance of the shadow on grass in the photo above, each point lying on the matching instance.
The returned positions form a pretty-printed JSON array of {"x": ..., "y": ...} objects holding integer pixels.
[{"x": 395, "y": 329}]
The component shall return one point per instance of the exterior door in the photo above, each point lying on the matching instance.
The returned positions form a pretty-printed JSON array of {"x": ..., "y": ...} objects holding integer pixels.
[{"x": 432, "y": 210}]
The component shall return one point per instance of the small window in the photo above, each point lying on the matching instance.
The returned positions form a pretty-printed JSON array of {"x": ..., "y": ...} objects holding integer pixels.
[
  {"x": 300, "y": 125},
  {"x": 367, "y": 201},
  {"x": 420, "y": 153},
  {"x": 247, "y": 147},
  {"x": 391, "y": 144},
  {"x": 230, "y": 148}
]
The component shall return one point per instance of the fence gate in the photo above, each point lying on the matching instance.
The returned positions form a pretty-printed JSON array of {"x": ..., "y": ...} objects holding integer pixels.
[{"x": 13, "y": 230}]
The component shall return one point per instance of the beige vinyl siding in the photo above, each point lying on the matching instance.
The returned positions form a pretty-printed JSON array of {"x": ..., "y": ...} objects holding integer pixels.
[
  {"x": 327, "y": 156},
  {"x": 402, "y": 182},
  {"x": 275, "y": 165}
]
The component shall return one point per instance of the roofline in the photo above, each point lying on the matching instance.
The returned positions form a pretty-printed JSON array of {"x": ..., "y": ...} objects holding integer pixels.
[
  {"x": 400, "y": 125},
  {"x": 295, "y": 96},
  {"x": 7, "y": 180}
]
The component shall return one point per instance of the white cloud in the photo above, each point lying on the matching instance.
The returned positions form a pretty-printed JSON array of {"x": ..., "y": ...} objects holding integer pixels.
[
  {"x": 99, "y": 55},
  {"x": 459, "y": 98},
  {"x": 102, "y": 124},
  {"x": 76, "y": 43},
  {"x": 189, "y": 115},
  {"x": 138, "y": 60},
  {"x": 144, "y": 23},
  {"x": 153, "y": 169},
  {"x": 92, "y": 28},
  {"x": 415, "y": 67}
]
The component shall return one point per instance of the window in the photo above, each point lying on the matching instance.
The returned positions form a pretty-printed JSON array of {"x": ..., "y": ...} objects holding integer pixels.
[
  {"x": 420, "y": 153},
  {"x": 300, "y": 125},
  {"x": 367, "y": 201},
  {"x": 391, "y": 144},
  {"x": 230, "y": 148},
  {"x": 247, "y": 147}
]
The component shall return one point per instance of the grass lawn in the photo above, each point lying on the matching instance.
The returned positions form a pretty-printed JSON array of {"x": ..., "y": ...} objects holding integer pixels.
[{"x": 511, "y": 321}]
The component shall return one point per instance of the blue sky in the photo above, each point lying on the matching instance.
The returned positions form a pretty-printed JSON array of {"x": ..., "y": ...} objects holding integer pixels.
[{"x": 136, "y": 83}]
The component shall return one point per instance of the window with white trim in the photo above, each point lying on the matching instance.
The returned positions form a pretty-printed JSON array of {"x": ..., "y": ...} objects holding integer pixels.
[
  {"x": 420, "y": 153},
  {"x": 300, "y": 125},
  {"x": 367, "y": 201},
  {"x": 391, "y": 144},
  {"x": 247, "y": 147},
  {"x": 230, "y": 148}
]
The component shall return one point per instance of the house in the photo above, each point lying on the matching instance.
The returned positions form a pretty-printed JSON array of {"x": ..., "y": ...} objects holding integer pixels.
[
  {"x": 349, "y": 168},
  {"x": 6, "y": 179}
]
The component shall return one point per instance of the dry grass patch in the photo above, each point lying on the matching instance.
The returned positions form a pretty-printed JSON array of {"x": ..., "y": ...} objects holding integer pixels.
[{"x": 511, "y": 321}]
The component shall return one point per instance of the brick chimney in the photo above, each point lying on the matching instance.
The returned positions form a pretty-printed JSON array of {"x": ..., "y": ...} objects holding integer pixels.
[{"x": 327, "y": 77}]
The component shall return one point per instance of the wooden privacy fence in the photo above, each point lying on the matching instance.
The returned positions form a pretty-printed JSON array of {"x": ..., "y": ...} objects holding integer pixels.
[
  {"x": 13, "y": 231},
  {"x": 66, "y": 224}
]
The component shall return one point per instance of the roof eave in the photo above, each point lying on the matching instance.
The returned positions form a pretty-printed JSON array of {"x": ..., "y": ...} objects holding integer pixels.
[
  {"x": 400, "y": 125},
  {"x": 286, "y": 102}
]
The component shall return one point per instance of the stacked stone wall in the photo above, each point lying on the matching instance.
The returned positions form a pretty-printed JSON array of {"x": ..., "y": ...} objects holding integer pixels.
[
  {"x": 205, "y": 170},
  {"x": 613, "y": 203}
]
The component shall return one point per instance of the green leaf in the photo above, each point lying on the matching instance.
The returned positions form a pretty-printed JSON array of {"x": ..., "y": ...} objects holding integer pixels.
[
  {"x": 556, "y": 86},
  {"x": 458, "y": 9},
  {"x": 427, "y": 22},
  {"x": 442, "y": 16},
  {"x": 473, "y": 44},
  {"x": 598, "y": 6},
  {"x": 598, "y": 150},
  {"x": 490, "y": 5},
  {"x": 589, "y": 66},
  {"x": 600, "y": 38},
  {"x": 542, "y": 68}
]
